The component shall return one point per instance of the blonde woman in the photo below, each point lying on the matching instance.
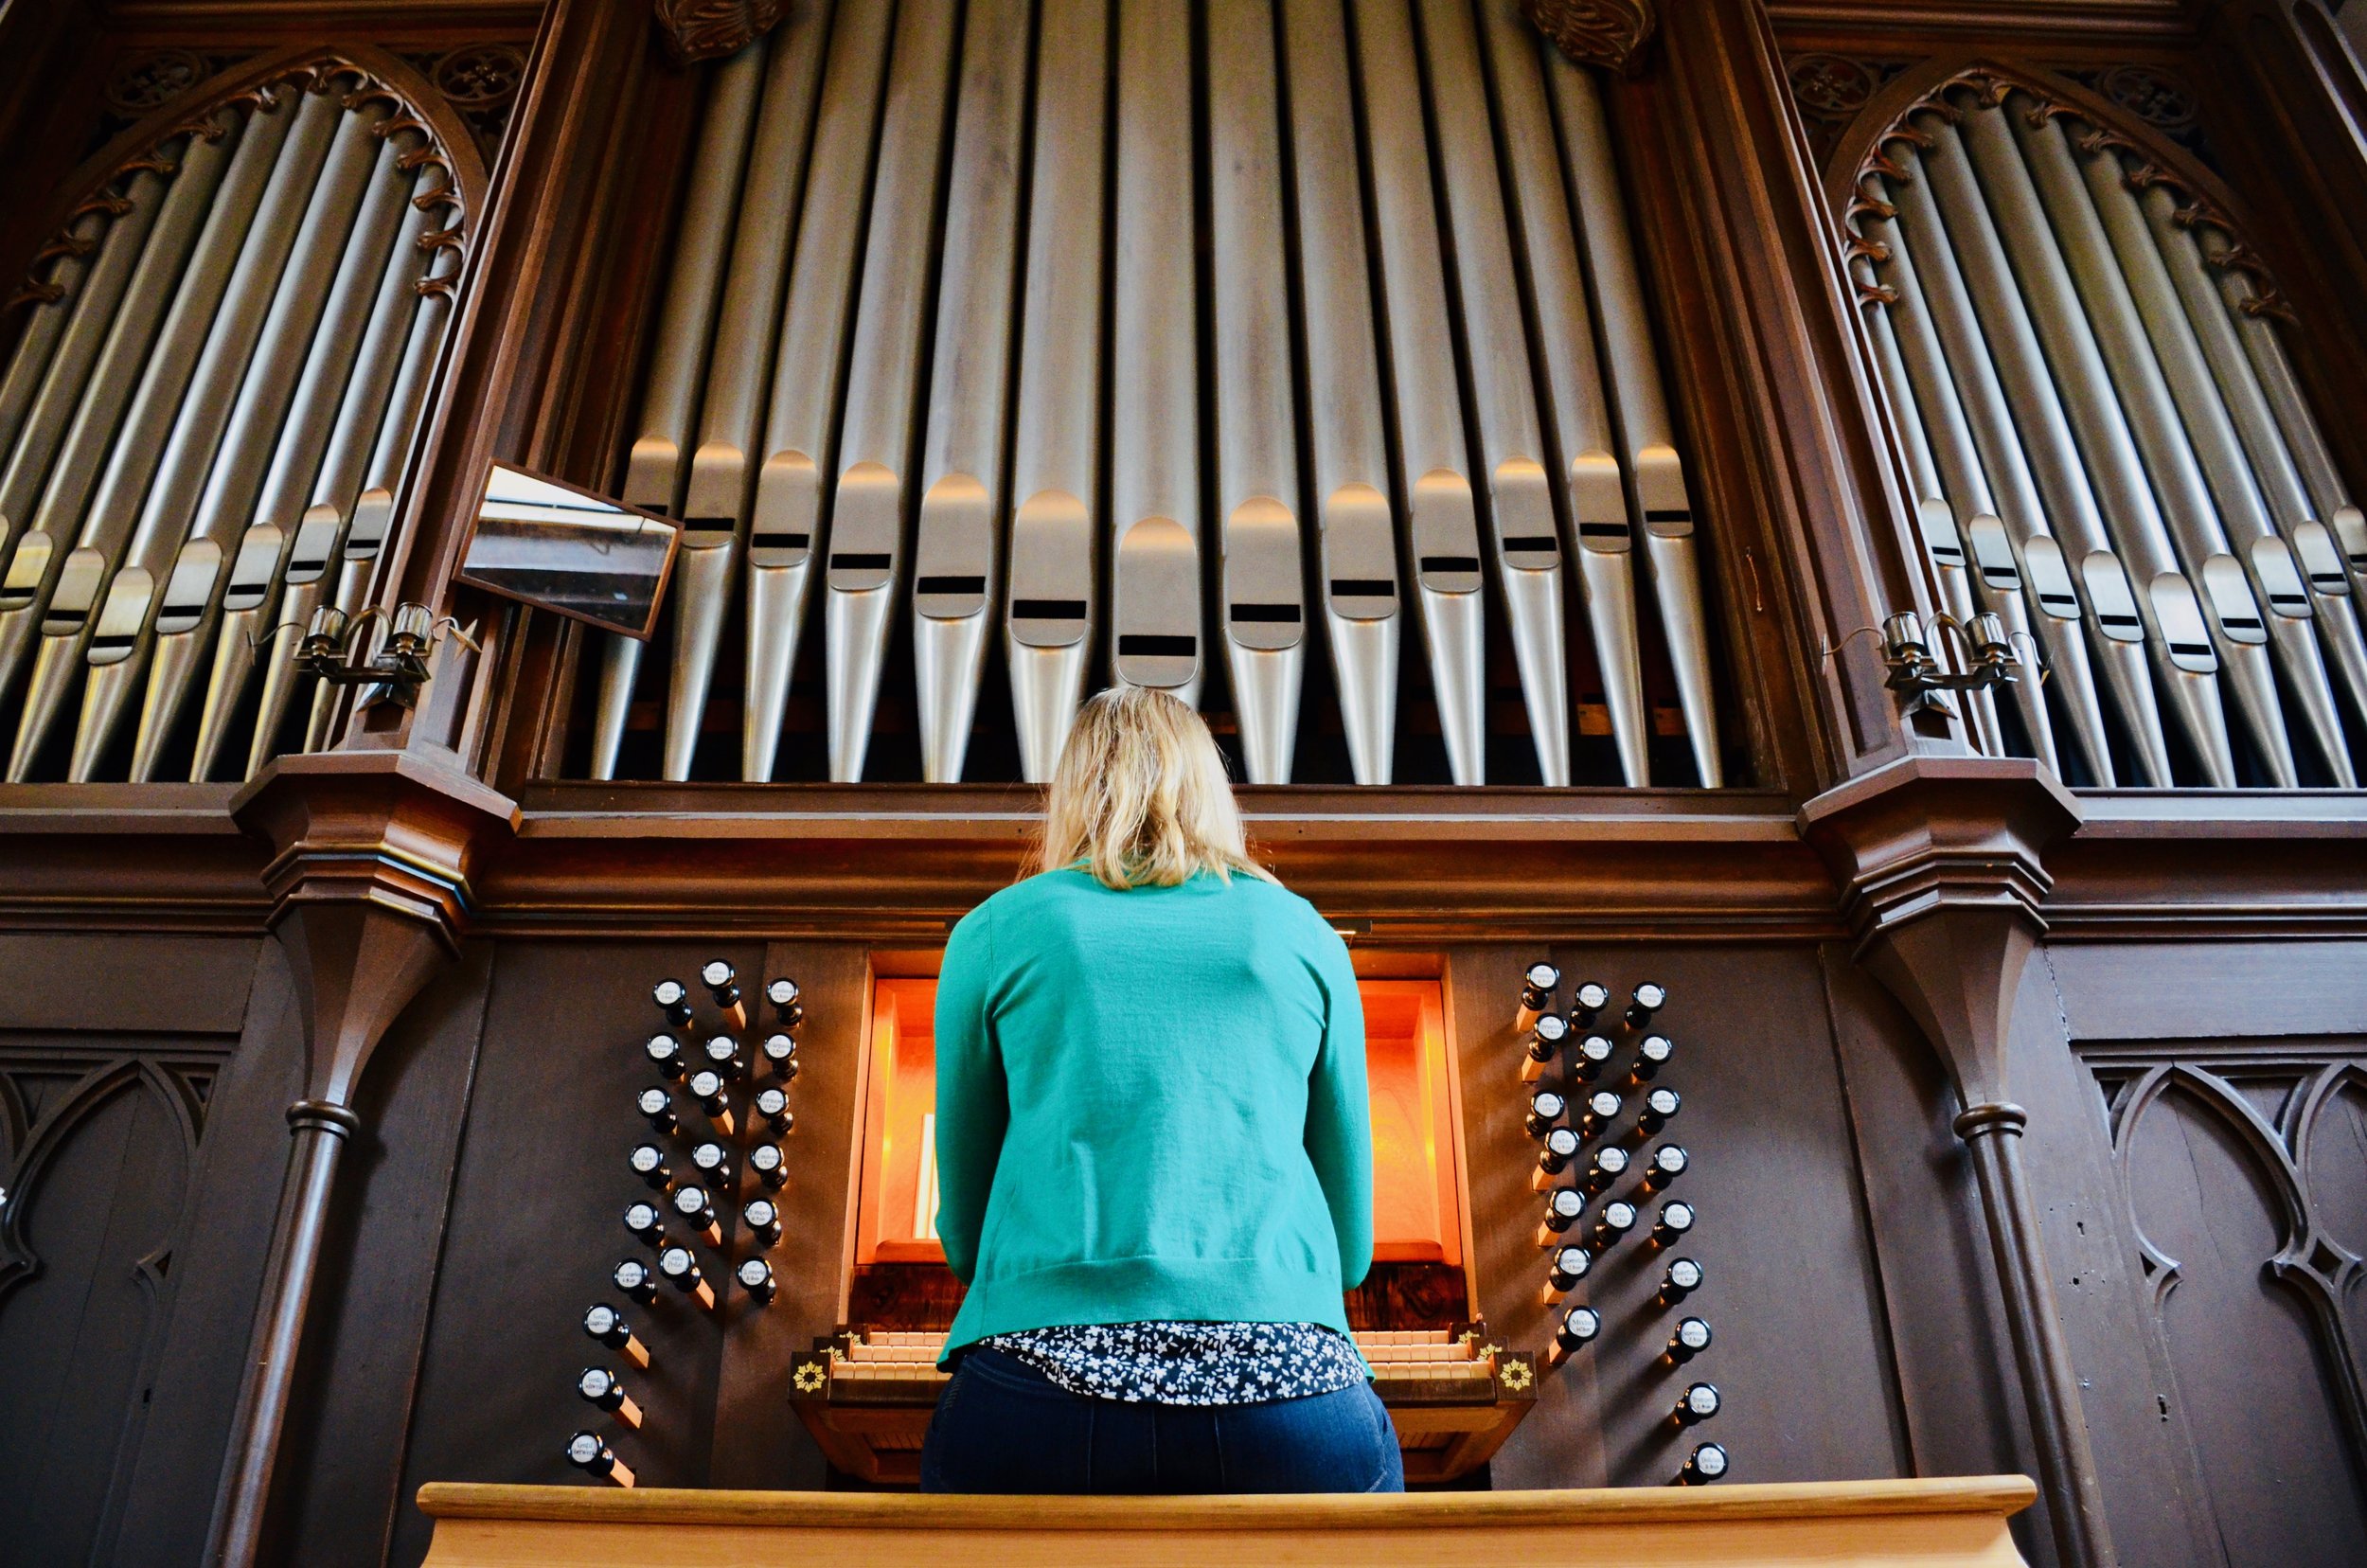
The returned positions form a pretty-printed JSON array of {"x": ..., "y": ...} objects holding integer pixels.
[{"x": 1154, "y": 1152}]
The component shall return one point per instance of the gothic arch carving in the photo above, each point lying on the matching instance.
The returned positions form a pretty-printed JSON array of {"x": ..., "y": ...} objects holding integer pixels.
[{"x": 55, "y": 1128}]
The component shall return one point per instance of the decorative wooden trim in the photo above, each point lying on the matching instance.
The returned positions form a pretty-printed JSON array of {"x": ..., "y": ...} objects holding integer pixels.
[
  {"x": 704, "y": 29},
  {"x": 1610, "y": 33}
]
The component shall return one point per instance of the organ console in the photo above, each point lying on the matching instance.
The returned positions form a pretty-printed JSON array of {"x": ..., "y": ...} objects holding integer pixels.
[
  {"x": 780, "y": 1055},
  {"x": 763, "y": 1218},
  {"x": 770, "y": 1166},
  {"x": 723, "y": 1054},
  {"x": 1536, "y": 993},
  {"x": 635, "y": 1277},
  {"x": 1706, "y": 1464},
  {"x": 1664, "y": 1165},
  {"x": 713, "y": 1161},
  {"x": 1561, "y": 1145},
  {"x": 1691, "y": 1338},
  {"x": 673, "y": 1000},
  {"x": 1588, "y": 1061},
  {"x": 713, "y": 1097},
  {"x": 657, "y": 1108},
  {"x": 1616, "y": 1220},
  {"x": 681, "y": 1270},
  {"x": 603, "y": 1390},
  {"x": 1610, "y": 1164},
  {"x": 607, "y": 1325},
  {"x": 1683, "y": 1278},
  {"x": 693, "y": 1205},
  {"x": 1698, "y": 1404},
  {"x": 1562, "y": 1207},
  {"x": 645, "y": 1223},
  {"x": 666, "y": 1054},
  {"x": 1602, "y": 1109},
  {"x": 1545, "y": 1108},
  {"x": 772, "y": 1109},
  {"x": 648, "y": 1163},
  {"x": 788, "y": 1010},
  {"x": 1578, "y": 1328},
  {"x": 1650, "y": 1056},
  {"x": 1648, "y": 1000},
  {"x": 586, "y": 1452},
  {"x": 1544, "y": 1040},
  {"x": 1588, "y": 1002},
  {"x": 1660, "y": 1107},
  {"x": 1675, "y": 1220},
  {"x": 756, "y": 1277}
]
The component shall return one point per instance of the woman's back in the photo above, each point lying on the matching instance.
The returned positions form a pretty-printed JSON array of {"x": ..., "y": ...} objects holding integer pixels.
[{"x": 1183, "y": 1141}]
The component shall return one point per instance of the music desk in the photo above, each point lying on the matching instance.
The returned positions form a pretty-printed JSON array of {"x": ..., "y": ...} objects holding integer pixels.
[{"x": 1953, "y": 1523}]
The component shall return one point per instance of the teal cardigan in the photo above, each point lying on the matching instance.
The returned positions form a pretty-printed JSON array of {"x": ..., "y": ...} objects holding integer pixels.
[{"x": 1150, "y": 1106}]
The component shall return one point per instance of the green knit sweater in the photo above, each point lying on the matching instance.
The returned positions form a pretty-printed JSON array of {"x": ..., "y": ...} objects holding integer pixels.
[{"x": 1150, "y": 1105}]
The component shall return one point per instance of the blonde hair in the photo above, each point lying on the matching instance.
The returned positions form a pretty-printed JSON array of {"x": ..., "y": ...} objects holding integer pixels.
[{"x": 1140, "y": 796}]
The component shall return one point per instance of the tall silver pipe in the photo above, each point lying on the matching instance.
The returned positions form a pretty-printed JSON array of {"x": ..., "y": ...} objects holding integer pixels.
[
  {"x": 2262, "y": 562},
  {"x": 290, "y": 496},
  {"x": 1348, "y": 443},
  {"x": 715, "y": 503},
  {"x": 91, "y": 438},
  {"x": 1922, "y": 375},
  {"x": 160, "y": 454},
  {"x": 1056, "y": 457},
  {"x": 366, "y": 522},
  {"x": 2282, "y": 389},
  {"x": 1159, "y": 631},
  {"x": 54, "y": 358},
  {"x": 2159, "y": 437},
  {"x": 956, "y": 551},
  {"x": 1654, "y": 470},
  {"x": 808, "y": 367},
  {"x": 1263, "y": 602},
  {"x": 1442, "y": 518},
  {"x": 866, "y": 554},
  {"x": 2282, "y": 492},
  {"x": 1592, "y": 492},
  {"x": 286, "y": 406},
  {"x": 1512, "y": 443},
  {"x": 214, "y": 464},
  {"x": 1966, "y": 241},
  {"x": 45, "y": 320}
]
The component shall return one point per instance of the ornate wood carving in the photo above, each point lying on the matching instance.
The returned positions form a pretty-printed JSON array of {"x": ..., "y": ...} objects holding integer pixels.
[
  {"x": 1611, "y": 33},
  {"x": 703, "y": 29}
]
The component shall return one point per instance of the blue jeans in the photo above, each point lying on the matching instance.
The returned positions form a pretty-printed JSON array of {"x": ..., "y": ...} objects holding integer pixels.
[{"x": 1001, "y": 1426}]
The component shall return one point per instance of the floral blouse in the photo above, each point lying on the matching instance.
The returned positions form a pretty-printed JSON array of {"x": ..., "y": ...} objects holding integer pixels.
[{"x": 1189, "y": 1364}]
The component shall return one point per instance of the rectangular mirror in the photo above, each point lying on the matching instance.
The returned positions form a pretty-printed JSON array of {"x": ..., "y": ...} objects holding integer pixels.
[{"x": 552, "y": 545}]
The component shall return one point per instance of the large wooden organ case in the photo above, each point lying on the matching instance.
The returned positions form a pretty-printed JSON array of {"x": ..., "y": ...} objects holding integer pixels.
[{"x": 1518, "y": 448}]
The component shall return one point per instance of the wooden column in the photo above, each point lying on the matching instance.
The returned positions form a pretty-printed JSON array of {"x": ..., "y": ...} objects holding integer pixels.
[
  {"x": 369, "y": 882},
  {"x": 1939, "y": 859}
]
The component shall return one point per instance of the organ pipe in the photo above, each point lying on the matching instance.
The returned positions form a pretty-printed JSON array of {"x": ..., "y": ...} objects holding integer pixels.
[
  {"x": 956, "y": 550},
  {"x": 1261, "y": 608},
  {"x": 1055, "y": 440},
  {"x": 1442, "y": 519},
  {"x": 866, "y": 546},
  {"x": 57, "y": 300},
  {"x": 160, "y": 456},
  {"x": 1968, "y": 236},
  {"x": 1154, "y": 398},
  {"x": 1347, "y": 442},
  {"x": 1512, "y": 446},
  {"x": 1654, "y": 470},
  {"x": 786, "y": 525},
  {"x": 1591, "y": 491}
]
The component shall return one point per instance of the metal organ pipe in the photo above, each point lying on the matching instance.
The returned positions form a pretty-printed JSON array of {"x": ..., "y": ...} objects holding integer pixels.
[
  {"x": 1512, "y": 443},
  {"x": 1967, "y": 237},
  {"x": 955, "y": 548},
  {"x": 2164, "y": 600},
  {"x": 1262, "y": 602},
  {"x": 1590, "y": 488},
  {"x": 787, "y": 527},
  {"x": 2182, "y": 500},
  {"x": 1442, "y": 522},
  {"x": 1357, "y": 565},
  {"x": 59, "y": 301},
  {"x": 1154, "y": 396},
  {"x": 1049, "y": 610},
  {"x": 1654, "y": 469},
  {"x": 866, "y": 546}
]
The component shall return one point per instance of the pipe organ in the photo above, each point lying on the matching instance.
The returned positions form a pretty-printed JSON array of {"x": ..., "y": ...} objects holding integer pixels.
[
  {"x": 2073, "y": 352},
  {"x": 1270, "y": 352},
  {"x": 209, "y": 421}
]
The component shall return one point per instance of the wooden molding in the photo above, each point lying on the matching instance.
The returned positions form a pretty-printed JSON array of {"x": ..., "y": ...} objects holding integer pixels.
[
  {"x": 1611, "y": 33},
  {"x": 704, "y": 29},
  {"x": 1940, "y": 863}
]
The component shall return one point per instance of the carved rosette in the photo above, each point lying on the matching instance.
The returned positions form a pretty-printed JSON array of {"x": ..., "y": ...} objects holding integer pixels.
[
  {"x": 703, "y": 30},
  {"x": 1611, "y": 33}
]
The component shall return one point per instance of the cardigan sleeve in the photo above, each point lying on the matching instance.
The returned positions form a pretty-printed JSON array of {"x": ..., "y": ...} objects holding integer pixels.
[
  {"x": 974, "y": 1101},
  {"x": 1340, "y": 1112}
]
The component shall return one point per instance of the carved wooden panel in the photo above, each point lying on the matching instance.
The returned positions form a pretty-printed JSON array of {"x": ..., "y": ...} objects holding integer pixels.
[{"x": 97, "y": 1144}]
